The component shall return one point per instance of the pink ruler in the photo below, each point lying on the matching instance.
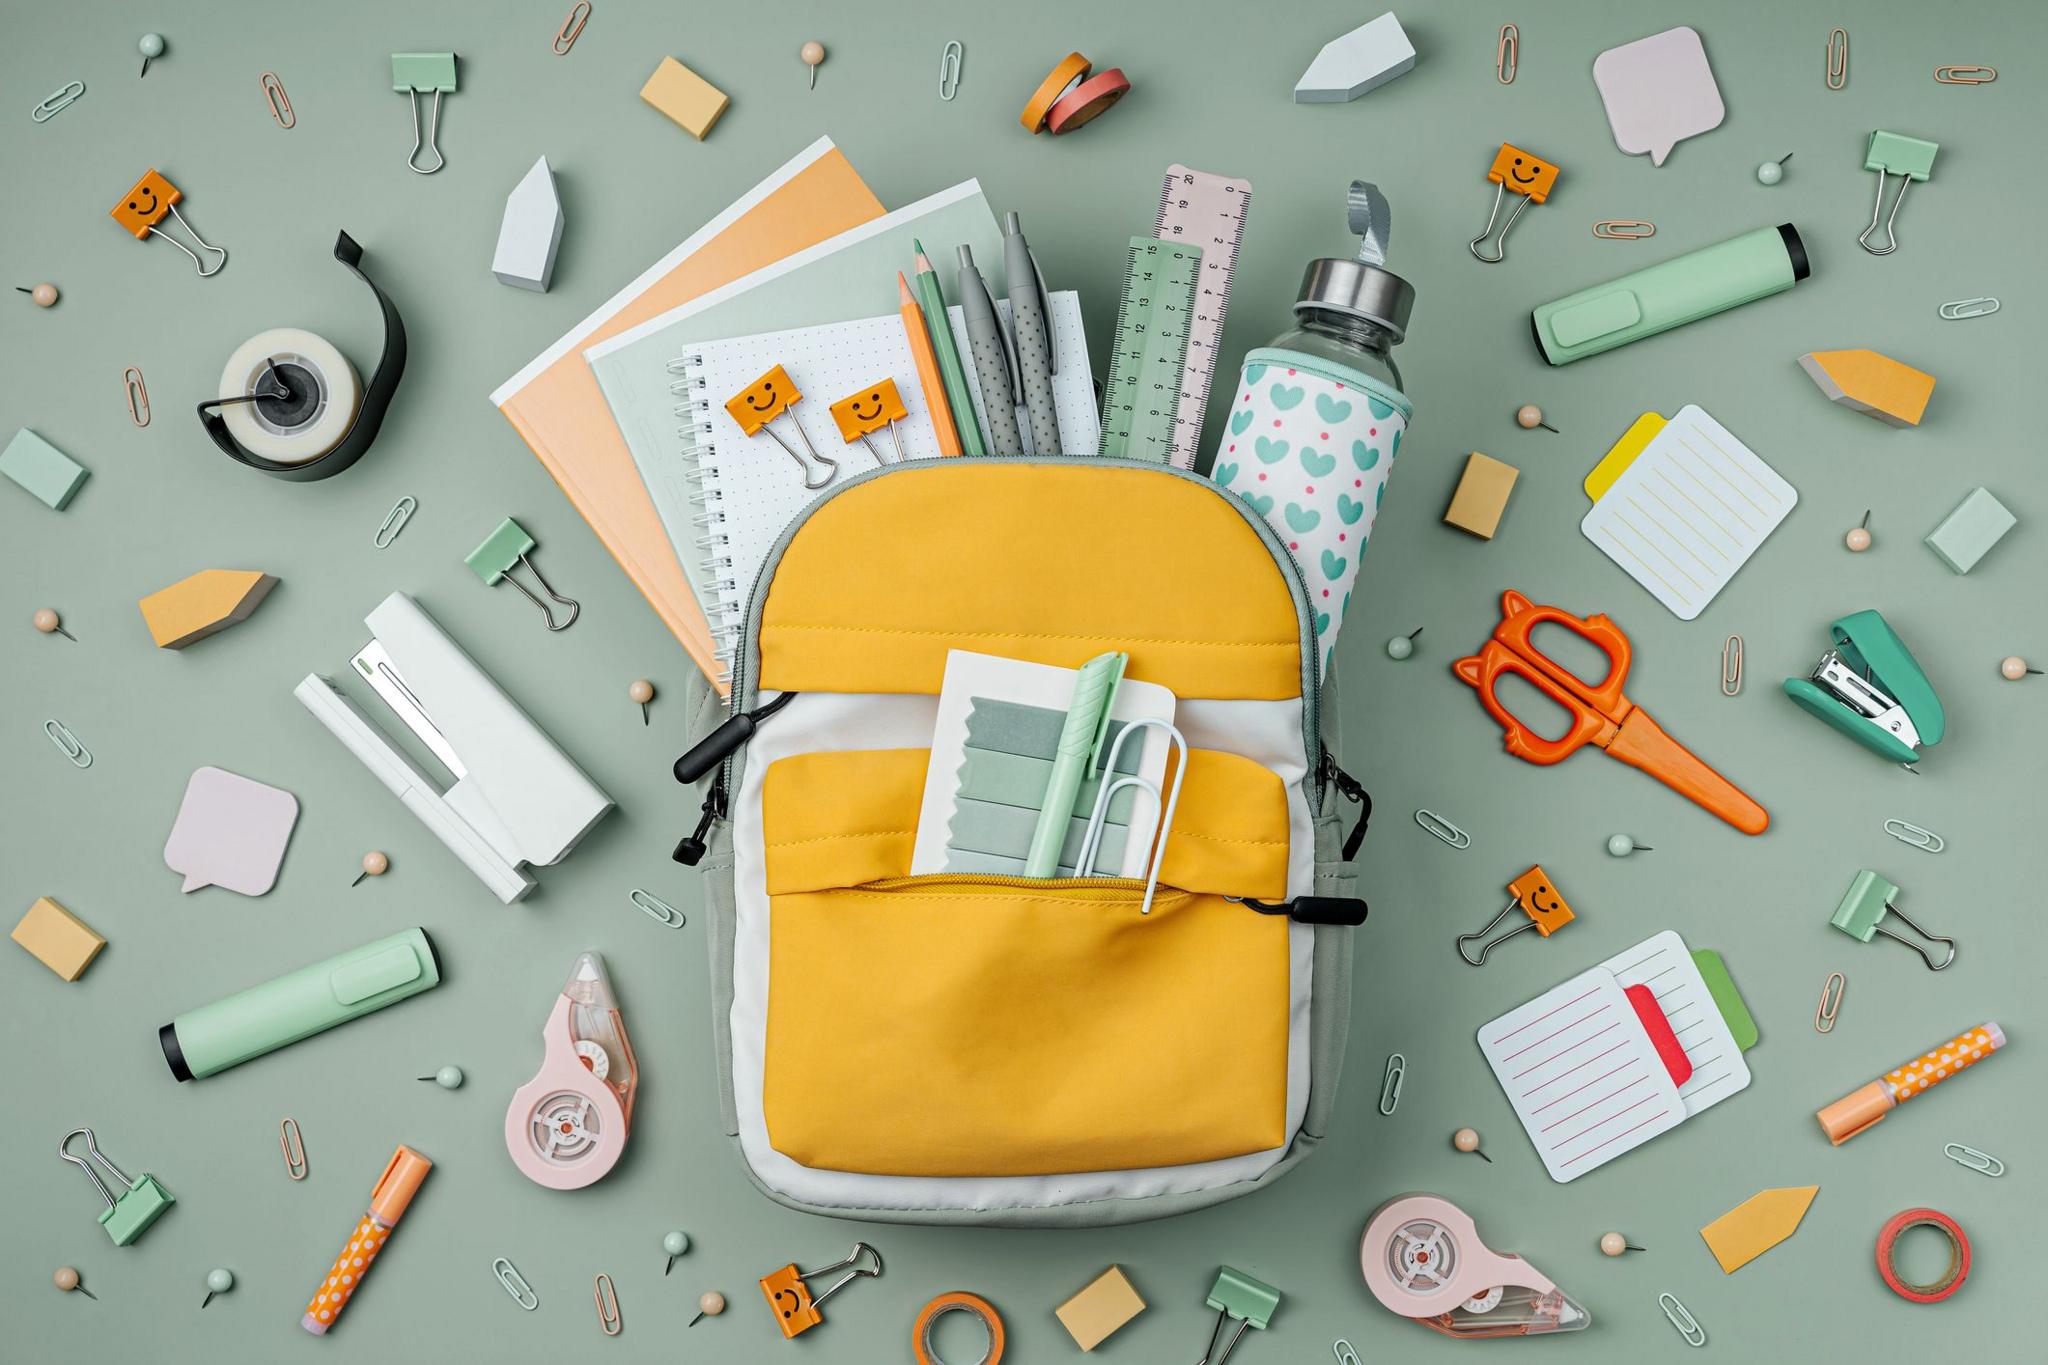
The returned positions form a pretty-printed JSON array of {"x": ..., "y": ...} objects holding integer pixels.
[{"x": 1206, "y": 211}]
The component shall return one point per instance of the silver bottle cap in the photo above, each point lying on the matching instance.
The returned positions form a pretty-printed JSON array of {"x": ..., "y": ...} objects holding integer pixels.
[{"x": 1364, "y": 291}]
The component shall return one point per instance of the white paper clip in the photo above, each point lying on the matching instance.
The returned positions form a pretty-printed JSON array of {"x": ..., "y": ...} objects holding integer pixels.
[
  {"x": 58, "y": 102},
  {"x": 1345, "y": 1355},
  {"x": 950, "y": 58},
  {"x": 515, "y": 1284},
  {"x": 1106, "y": 790},
  {"x": 1688, "y": 1326},
  {"x": 1390, "y": 1088},
  {"x": 80, "y": 756},
  {"x": 1443, "y": 829},
  {"x": 1906, "y": 832},
  {"x": 1958, "y": 309},
  {"x": 657, "y": 909},
  {"x": 395, "y": 520},
  {"x": 1731, "y": 667},
  {"x": 1982, "y": 1162}
]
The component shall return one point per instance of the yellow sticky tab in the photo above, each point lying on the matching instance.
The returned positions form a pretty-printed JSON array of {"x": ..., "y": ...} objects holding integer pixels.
[
  {"x": 764, "y": 400},
  {"x": 1756, "y": 1225},
  {"x": 1632, "y": 443},
  {"x": 869, "y": 410}
]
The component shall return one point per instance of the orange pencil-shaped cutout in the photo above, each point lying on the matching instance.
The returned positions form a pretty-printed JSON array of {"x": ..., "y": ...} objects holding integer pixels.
[
  {"x": 395, "y": 1189},
  {"x": 927, "y": 362}
]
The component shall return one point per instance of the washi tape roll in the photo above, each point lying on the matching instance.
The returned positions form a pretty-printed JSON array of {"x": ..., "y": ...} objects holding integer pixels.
[
  {"x": 1081, "y": 105},
  {"x": 956, "y": 1302},
  {"x": 1071, "y": 69},
  {"x": 1958, "y": 1258}
]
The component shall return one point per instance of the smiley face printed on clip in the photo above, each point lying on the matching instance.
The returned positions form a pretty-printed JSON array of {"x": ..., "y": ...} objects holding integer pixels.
[
  {"x": 1523, "y": 172},
  {"x": 869, "y": 410},
  {"x": 144, "y": 206},
  {"x": 762, "y": 401}
]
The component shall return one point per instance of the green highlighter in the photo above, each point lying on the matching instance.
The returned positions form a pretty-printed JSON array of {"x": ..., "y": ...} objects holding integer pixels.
[
  {"x": 212, "y": 1038},
  {"x": 1080, "y": 743}
]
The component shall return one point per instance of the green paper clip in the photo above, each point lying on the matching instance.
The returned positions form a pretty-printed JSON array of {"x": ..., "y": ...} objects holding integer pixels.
[
  {"x": 142, "y": 1202},
  {"x": 492, "y": 562},
  {"x": 1861, "y": 913},
  {"x": 1237, "y": 1296}
]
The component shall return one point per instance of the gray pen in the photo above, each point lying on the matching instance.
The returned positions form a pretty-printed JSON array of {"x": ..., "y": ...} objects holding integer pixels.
[
  {"x": 1031, "y": 323},
  {"x": 991, "y": 359}
]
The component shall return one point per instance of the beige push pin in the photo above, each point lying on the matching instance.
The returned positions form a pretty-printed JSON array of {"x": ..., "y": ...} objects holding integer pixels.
[
  {"x": 375, "y": 864},
  {"x": 2013, "y": 667},
  {"x": 641, "y": 691},
  {"x": 1614, "y": 1244},
  {"x": 709, "y": 1304},
  {"x": 1467, "y": 1140},
  {"x": 46, "y": 621},
  {"x": 67, "y": 1280},
  {"x": 812, "y": 54},
  {"x": 1858, "y": 539},
  {"x": 1529, "y": 416},
  {"x": 45, "y": 295}
]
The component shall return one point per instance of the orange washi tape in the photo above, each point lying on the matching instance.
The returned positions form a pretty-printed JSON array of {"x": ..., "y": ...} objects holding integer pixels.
[
  {"x": 956, "y": 1302},
  {"x": 1072, "y": 67},
  {"x": 1958, "y": 1259},
  {"x": 1087, "y": 100}
]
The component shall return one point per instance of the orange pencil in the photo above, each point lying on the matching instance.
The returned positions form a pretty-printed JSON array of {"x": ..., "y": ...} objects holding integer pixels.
[{"x": 928, "y": 370}]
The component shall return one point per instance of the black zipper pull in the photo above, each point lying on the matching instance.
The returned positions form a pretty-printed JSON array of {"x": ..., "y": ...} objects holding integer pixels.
[
  {"x": 691, "y": 850},
  {"x": 1349, "y": 788},
  {"x": 1310, "y": 909},
  {"x": 715, "y": 747}
]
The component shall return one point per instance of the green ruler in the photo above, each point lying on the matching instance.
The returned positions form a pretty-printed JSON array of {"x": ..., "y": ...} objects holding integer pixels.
[{"x": 1151, "y": 350}]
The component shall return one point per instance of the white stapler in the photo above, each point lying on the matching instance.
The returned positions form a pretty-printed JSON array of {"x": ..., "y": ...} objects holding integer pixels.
[{"x": 517, "y": 798}]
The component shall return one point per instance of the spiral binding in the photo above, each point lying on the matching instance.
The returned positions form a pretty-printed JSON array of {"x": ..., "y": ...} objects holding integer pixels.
[{"x": 693, "y": 432}]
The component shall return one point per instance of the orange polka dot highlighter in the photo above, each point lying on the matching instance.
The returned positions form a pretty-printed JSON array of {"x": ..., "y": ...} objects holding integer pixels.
[
  {"x": 1851, "y": 1114},
  {"x": 395, "y": 1188}
]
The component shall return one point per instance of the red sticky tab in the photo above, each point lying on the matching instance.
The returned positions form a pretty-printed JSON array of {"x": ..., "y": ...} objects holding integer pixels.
[{"x": 1661, "y": 1036}]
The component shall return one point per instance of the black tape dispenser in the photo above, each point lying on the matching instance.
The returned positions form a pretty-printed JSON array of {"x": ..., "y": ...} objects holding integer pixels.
[{"x": 290, "y": 403}]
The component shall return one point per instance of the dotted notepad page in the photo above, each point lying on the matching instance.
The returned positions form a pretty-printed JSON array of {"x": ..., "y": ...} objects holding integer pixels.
[{"x": 752, "y": 490}]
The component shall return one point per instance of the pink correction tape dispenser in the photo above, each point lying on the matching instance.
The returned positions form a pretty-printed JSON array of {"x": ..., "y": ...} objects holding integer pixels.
[
  {"x": 567, "y": 1126},
  {"x": 1423, "y": 1259}
]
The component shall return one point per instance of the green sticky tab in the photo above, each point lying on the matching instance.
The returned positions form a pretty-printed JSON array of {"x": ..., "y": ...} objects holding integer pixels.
[
  {"x": 501, "y": 549},
  {"x": 1868, "y": 898},
  {"x": 428, "y": 71},
  {"x": 134, "y": 1211},
  {"x": 1727, "y": 999},
  {"x": 1967, "y": 534},
  {"x": 1241, "y": 1296},
  {"x": 42, "y": 469},
  {"x": 1912, "y": 157}
]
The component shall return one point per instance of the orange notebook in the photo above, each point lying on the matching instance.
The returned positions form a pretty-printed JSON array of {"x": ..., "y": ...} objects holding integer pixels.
[{"x": 558, "y": 409}]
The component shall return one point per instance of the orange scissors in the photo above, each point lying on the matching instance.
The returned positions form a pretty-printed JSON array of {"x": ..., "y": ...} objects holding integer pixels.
[{"x": 1600, "y": 713}]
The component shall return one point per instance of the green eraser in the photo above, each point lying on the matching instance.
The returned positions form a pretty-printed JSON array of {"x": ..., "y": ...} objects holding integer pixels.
[
  {"x": 427, "y": 71},
  {"x": 1734, "y": 1012},
  {"x": 1967, "y": 534},
  {"x": 1241, "y": 1296},
  {"x": 1912, "y": 157},
  {"x": 47, "y": 472},
  {"x": 499, "y": 552}
]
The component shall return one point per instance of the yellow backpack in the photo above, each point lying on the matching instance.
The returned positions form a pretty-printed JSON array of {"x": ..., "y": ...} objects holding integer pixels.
[{"x": 984, "y": 1049}]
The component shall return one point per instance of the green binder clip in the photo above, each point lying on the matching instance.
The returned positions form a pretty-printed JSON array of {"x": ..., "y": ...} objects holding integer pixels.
[
  {"x": 1862, "y": 911},
  {"x": 1238, "y": 1297},
  {"x": 493, "y": 562},
  {"x": 1894, "y": 154},
  {"x": 422, "y": 73},
  {"x": 1869, "y": 687},
  {"x": 142, "y": 1201}
]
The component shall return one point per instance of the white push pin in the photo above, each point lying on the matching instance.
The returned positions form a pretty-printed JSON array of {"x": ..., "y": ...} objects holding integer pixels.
[
  {"x": 1401, "y": 646},
  {"x": 1771, "y": 172},
  {"x": 2014, "y": 668},
  {"x": 1614, "y": 1244},
  {"x": 711, "y": 1303},
  {"x": 1467, "y": 1140},
  {"x": 448, "y": 1078},
  {"x": 375, "y": 864},
  {"x": 47, "y": 621},
  {"x": 218, "y": 1281},
  {"x": 1529, "y": 416},
  {"x": 151, "y": 46},
  {"x": 1858, "y": 539},
  {"x": 675, "y": 1244},
  {"x": 813, "y": 55},
  {"x": 641, "y": 691},
  {"x": 1620, "y": 846}
]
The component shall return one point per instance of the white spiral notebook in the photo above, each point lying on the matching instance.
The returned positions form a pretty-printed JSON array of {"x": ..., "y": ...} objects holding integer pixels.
[{"x": 746, "y": 490}]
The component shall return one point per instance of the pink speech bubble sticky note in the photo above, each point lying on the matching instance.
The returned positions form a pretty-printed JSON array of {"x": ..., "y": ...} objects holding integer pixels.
[
  {"x": 1658, "y": 91},
  {"x": 231, "y": 832}
]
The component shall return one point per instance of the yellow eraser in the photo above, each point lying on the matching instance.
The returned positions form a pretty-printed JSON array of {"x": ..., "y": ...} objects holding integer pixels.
[
  {"x": 205, "y": 604},
  {"x": 1482, "y": 495},
  {"x": 684, "y": 96},
  {"x": 65, "y": 943},
  {"x": 1105, "y": 1305}
]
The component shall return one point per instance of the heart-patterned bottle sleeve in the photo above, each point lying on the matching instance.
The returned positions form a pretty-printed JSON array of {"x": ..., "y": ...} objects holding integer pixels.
[{"x": 1309, "y": 446}]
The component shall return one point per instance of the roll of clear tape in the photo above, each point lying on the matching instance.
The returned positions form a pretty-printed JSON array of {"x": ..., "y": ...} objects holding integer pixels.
[{"x": 306, "y": 432}]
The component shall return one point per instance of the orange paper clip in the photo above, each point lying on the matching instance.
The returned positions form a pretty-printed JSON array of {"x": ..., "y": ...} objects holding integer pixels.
[
  {"x": 280, "y": 103},
  {"x": 572, "y": 28},
  {"x": 607, "y": 1306},
  {"x": 1599, "y": 713},
  {"x": 138, "y": 396},
  {"x": 1624, "y": 229}
]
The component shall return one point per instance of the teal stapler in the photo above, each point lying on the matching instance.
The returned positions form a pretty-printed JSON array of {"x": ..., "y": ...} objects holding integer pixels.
[{"x": 1869, "y": 687}]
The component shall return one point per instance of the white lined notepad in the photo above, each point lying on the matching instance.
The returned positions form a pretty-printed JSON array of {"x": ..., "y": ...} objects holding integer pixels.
[
  {"x": 1664, "y": 964},
  {"x": 1685, "y": 509}
]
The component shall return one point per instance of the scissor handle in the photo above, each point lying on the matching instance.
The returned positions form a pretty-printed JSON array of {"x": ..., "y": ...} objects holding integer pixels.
[
  {"x": 1483, "y": 671},
  {"x": 1519, "y": 617}
]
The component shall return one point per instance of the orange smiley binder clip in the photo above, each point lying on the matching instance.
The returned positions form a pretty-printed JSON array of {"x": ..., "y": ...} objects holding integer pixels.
[{"x": 1599, "y": 713}]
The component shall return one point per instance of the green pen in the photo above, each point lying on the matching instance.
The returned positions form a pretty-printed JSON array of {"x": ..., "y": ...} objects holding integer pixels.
[
  {"x": 936, "y": 322},
  {"x": 1080, "y": 742}
]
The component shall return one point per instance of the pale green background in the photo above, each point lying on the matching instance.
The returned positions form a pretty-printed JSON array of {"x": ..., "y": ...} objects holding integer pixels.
[{"x": 1212, "y": 89}]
